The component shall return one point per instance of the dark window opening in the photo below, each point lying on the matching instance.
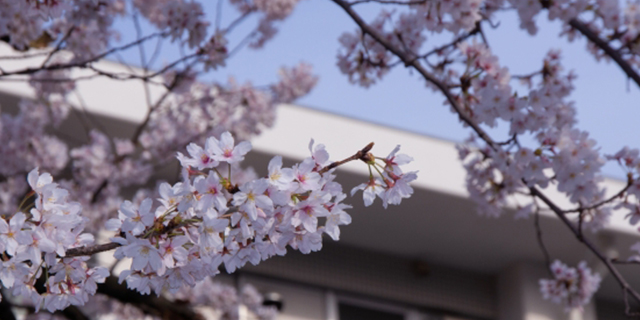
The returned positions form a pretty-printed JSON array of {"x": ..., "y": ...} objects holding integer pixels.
[{"x": 351, "y": 312}]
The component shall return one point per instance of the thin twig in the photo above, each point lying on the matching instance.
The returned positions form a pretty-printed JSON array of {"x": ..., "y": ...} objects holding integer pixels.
[
  {"x": 176, "y": 80},
  {"x": 362, "y": 154},
  {"x": 58, "y": 80},
  {"x": 237, "y": 21},
  {"x": 607, "y": 262},
  {"x": 242, "y": 43},
  {"x": 616, "y": 261},
  {"x": 25, "y": 56},
  {"x": 603, "y": 202},
  {"x": 545, "y": 252},
  {"x": 58, "y": 46},
  {"x": 83, "y": 63},
  {"x": 143, "y": 61},
  {"x": 451, "y": 44},
  {"x": 156, "y": 52}
]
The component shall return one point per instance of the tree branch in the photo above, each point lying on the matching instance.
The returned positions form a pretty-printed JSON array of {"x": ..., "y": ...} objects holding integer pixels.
[
  {"x": 83, "y": 63},
  {"x": 545, "y": 252},
  {"x": 91, "y": 250},
  {"x": 362, "y": 154},
  {"x": 626, "y": 288},
  {"x": 410, "y": 61},
  {"x": 603, "y": 202},
  {"x": 602, "y": 44}
]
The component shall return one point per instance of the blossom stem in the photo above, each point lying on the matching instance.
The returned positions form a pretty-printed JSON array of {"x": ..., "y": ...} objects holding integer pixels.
[
  {"x": 27, "y": 197},
  {"x": 362, "y": 154}
]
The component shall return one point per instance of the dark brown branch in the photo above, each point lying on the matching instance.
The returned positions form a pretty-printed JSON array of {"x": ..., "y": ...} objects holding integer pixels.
[
  {"x": 362, "y": 154},
  {"x": 176, "y": 80},
  {"x": 603, "y": 202},
  {"x": 616, "y": 261},
  {"x": 602, "y": 44},
  {"x": 130, "y": 76},
  {"x": 83, "y": 63},
  {"x": 96, "y": 194},
  {"x": 614, "y": 271},
  {"x": 25, "y": 56},
  {"x": 453, "y": 43},
  {"x": 59, "y": 80},
  {"x": 91, "y": 250}
]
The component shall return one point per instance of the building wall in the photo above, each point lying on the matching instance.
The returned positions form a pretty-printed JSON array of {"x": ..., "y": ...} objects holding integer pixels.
[{"x": 400, "y": 281}]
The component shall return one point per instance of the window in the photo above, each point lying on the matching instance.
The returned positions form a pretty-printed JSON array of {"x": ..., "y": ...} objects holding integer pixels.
[
  {"x": 344, "y": 307},
  {"x": 348, "y": 311}
]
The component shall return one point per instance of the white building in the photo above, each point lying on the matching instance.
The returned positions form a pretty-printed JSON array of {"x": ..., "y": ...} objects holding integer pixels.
[{"x": 432, "y": 257}]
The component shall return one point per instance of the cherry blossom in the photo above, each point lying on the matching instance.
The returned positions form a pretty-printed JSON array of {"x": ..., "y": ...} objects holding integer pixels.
[
  {"x": 198, "y": 224},
  {"x": 224, "y": 150},
  {"x": 571, "y": 287}
]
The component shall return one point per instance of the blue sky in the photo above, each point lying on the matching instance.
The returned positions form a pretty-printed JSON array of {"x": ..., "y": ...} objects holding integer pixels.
[{"x": 607, "y": 103}]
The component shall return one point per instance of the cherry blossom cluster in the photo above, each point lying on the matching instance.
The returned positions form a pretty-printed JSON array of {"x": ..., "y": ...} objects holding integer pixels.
[
  {"x": 27, "y": 144},
  {"x": 270, "y": 12},
  {"x": 392, "y": 185},
  {"x": 104, "y": 165},
  {"x": 610, "y": 20},
  {"x": 365, "y": 60},
  {"x": 570, "y": 287},
  {"x": 217, "y": 215},
  {"x": 209, "y": 109},
  {"x": 453, "y": 16},
  {"x": 35, "y": 241},
  {"x": 87, "y": 25},
  {"x": 177, "y": 17},
  {"x": 564, "y": 156},
  {"x": 629, "y": 202},
  {"x": 74, "y": 34},
  {"x": 496, "y": 173}
]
